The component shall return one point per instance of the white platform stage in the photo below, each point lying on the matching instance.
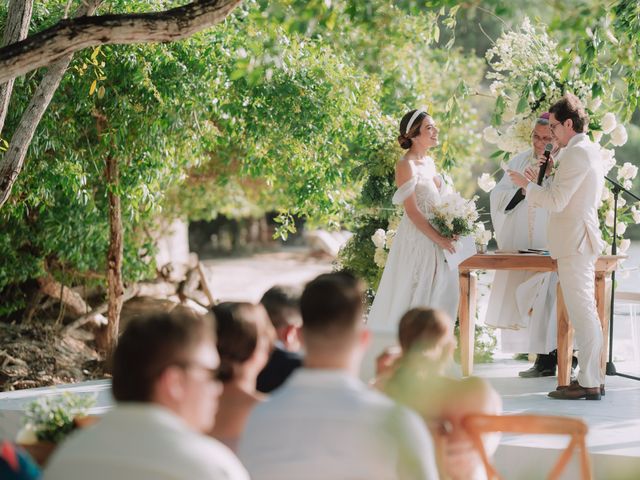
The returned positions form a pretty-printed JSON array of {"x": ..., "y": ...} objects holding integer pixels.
[{"x": 614, "y": 425}]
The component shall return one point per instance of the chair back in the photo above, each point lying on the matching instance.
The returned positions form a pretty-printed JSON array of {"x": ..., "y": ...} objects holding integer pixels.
[{"x": 476, "y": 425}]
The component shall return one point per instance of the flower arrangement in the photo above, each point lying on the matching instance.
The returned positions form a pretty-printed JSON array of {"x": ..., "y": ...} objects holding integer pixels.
[
  {"x": 528, "y": 75},
  {"x": 383, "y": 240},
  {"x": 454, "y": 215},
  {"x": 50, "y": 419},
  {"x": 482, "y": 235}
]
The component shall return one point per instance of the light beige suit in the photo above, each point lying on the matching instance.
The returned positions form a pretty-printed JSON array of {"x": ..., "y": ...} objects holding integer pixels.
[{"x": 572, "y": 199}]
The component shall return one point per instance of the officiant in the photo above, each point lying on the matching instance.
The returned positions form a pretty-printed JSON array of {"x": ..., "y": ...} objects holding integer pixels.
[{"x": 521, "y": 303}]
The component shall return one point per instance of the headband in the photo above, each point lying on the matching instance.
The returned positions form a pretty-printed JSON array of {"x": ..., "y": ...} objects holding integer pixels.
[{"x": 415, "y": 115}]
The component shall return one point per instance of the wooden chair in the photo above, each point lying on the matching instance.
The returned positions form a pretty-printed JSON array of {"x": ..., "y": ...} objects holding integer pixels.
[{"x": 476, "y": 425}]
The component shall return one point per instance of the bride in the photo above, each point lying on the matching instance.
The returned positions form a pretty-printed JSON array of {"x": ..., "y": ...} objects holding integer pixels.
[{"x": 416, "y": 273}]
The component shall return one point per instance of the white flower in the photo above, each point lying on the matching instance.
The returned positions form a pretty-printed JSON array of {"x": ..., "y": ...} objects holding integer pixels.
[
  {"x": 627, "y": 171},
  {"x": 636, "y": 214},
  {"x": 486, "y": 182},
  {"x": 608, "y": 220},
  {"x": 627, "y": 184},
  {"x": 621, "y": 228},
  {"x": 597, "y": 135},
  {"x": 619, "y": 136},
  {"x": 394, "y": 223},
  {"x": 606, "y": 195},
  {"x": 607, "y": 250},
  {"x": 621, "y": 201},
  {"x": 491, "y": 135},
  {"x": 481, "y": 235},
  {"x": 27, "y": 435},
  {"x": 378, "y": 238},
  {"x": 624, "y": 245},
  {"x": 594, "y": 103},
  {"x": 608, "y": 122},
  {"x": 391, "y": 234},
  {"x": 608, "y": 159},
  {"x": 380, "y": 257}
]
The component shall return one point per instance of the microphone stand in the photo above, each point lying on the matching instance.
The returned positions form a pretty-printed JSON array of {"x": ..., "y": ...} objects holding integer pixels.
[{"x": 615, "y": 189}]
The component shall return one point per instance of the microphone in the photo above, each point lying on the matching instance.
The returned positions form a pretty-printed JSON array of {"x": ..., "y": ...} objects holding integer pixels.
[{"x": 543, "y": 168}]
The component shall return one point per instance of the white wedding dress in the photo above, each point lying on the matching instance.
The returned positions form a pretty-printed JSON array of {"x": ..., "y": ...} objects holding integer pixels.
[{"x": 416, "y": 273}]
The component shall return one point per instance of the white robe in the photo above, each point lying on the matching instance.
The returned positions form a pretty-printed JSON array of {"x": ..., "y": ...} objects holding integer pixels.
[{"x": 522, "y": 304}]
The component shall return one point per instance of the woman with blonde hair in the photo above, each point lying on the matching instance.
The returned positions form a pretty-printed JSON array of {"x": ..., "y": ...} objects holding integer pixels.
[{"x": 418, "y": 380}]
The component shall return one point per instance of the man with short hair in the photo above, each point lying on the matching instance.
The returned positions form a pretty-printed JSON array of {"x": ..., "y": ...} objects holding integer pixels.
[
  {"x": 166, "y": 388},
  {"x": 324, "y": 422},
  {"x": 572, "y": 198},
  {"x": 522, "y": 303},
  {"x": 283, "y": 306}
]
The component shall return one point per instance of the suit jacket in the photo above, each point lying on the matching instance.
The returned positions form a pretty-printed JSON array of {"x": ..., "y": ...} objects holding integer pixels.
[
  {"x": 280, "y": 365},
  {"x": 572, "y": 199}
]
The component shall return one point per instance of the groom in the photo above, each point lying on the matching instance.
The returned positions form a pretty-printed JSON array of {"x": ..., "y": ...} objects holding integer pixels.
[{"x": 572, "y": 198}]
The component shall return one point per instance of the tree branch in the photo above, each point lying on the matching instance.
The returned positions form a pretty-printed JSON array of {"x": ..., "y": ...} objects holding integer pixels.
[
  {"x": 16, "y": 29},
  {"x": 68, "y": 36}
]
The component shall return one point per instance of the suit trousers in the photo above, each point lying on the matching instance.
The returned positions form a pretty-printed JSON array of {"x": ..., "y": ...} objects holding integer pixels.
[{"x": 577, "y": 280}]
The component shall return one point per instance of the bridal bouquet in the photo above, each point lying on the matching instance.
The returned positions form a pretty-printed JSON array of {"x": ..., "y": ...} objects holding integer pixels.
[{"x": 454, "y": 215}]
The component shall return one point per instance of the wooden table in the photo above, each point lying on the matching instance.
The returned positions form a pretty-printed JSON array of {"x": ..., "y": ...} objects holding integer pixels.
[{"x": 536, "y": 263}]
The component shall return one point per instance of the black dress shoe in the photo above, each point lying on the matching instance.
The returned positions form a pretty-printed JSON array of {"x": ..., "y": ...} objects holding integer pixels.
[
  {"x": 535, "y": 372},
  {"x": 575, "y": 382},
  {"x": 576, "y": 392}
]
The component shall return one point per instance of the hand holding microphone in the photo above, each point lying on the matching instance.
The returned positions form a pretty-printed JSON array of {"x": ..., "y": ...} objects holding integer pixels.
[{"x": 545, "y": 163}]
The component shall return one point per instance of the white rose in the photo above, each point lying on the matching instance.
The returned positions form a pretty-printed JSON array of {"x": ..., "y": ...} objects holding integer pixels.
[
  {"x": 628, "y": 171},
  {"x": 607, "y": 250},
  {"x": 27, "y": 435},
  {"x": 624, "y": 245},
  {"x": 627, "y": 184},
  {"x": 636, "y": 215},
  {"x": 597, "y": 135},
  {"x": 378, "y": 238},
  {"x": 391, "y": 234},
  {"x": 491, "y": 135},
  {"x": 486, "y": 182},
  {"x": 621, "y": 201},
  {"x": 608, "y": 159},
  {"x": 595, "y": 103},
  {"x": 608, "y": 122},
  {"x": 380, "y": 257},
  {"x": 608, "y": 220},
  {"x": 619, "y": 136},
  {"x": 621, "y": 228},
  {"x": 606, "y": 194}
]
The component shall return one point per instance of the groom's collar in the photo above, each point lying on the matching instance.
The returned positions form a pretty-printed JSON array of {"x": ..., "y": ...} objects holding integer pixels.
[{"x": 578, "y": 137}]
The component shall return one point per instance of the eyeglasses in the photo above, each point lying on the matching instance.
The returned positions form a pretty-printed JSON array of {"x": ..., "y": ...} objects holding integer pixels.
[{"x": 553, "y": 126}]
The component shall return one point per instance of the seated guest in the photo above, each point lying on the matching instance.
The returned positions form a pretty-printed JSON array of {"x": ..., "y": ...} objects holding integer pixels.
[
  {"x": 283, "y": 307},
  {"x": 16, "y": 464},
  {"x": 165, "y": 385},
  {"x": 418, "y": 380},
  {"x": 245, "y": 336},
  {"x": 324, "y": 422}
]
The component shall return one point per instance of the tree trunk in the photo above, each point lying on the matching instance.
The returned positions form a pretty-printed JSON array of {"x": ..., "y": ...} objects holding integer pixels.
[
  {"x": 67, "y": 36},
  {"x": 16, "y": 29},
  {"x": 115, "y": 287},
  {"x": 13, "y": 160}
]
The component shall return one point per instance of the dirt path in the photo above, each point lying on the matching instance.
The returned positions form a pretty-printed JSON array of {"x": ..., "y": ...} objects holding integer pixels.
[{"x": 247, "y": 278}]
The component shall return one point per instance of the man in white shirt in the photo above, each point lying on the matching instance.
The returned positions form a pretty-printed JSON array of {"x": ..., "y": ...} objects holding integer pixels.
[
  {"x": 166, "y": 388},
  {"x": 324, "y": 422},
  {"x": 572, "y": 198},
  {"x": 523, "y": 303}
]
